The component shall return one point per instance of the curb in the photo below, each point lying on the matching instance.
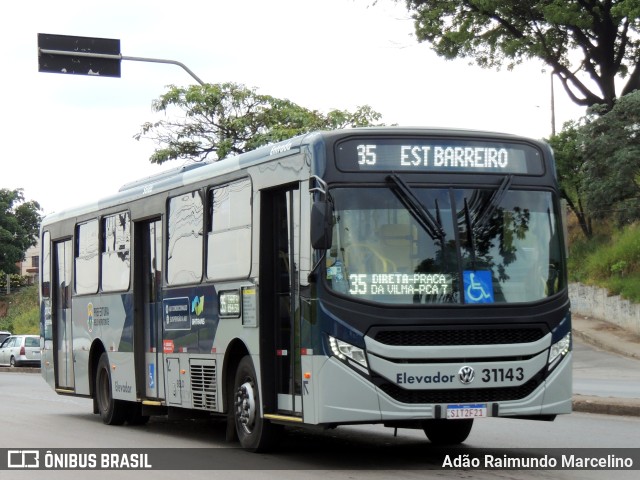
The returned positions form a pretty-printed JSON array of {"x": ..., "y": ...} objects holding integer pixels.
[
  {"x": 608, "y": 346},
  {"x": 607, "y": 406},
  {"x": 20, "y": 369}
]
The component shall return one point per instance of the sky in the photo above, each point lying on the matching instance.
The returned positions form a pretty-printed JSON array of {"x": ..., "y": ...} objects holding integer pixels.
[{"x": 68, "y": 140}]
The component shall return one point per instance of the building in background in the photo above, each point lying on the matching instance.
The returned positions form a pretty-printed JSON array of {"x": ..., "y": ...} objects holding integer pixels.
[{"x": 30, "y": 266}]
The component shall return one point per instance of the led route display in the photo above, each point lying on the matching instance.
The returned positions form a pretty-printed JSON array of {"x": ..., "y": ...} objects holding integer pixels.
[
  {"x": 433, "y": 155},
  {"x": 400, "y": 284}
]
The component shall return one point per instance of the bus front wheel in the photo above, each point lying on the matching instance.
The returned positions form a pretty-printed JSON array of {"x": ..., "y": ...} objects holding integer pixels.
[
  {"x": 447, "y": 432},
  {"x": 112, "y": 412},
  {"x": 254, "y": 432}
]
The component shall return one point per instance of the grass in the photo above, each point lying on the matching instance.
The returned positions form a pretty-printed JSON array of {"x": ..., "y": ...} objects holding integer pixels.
[
  {"x": 611, "y": 259},
  {"x": 23, "y": 311}
]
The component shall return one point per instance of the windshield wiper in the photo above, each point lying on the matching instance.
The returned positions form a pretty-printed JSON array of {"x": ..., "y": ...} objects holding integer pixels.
[
  {"x": 431, "y": 225},
  {"x": 492, "y": 203}
]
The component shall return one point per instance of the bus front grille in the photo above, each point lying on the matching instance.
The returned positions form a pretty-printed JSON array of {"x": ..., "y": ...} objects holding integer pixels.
[{"x": 461, "y": 336}]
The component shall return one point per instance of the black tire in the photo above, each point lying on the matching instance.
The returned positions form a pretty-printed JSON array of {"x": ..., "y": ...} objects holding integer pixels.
[
  {"x": 112, "y": 412},
  {"x": 12, "y": 362},
  {"x": 254, "y": 432},
  {"x": 447, "y": 432}
]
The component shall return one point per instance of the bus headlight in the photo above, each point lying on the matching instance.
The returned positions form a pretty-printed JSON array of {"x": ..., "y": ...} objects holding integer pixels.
[
  {"x": 559, "y": 350},
  {"x": 345, "y": 351}
]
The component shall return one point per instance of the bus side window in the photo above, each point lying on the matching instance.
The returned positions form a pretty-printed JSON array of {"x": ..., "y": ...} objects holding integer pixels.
[
  {"x": 185, "y": 239},
  {"x": 86, "y": 257},
  {"x": 229, "y": 237},
  {"x": 115, "y": 252}
]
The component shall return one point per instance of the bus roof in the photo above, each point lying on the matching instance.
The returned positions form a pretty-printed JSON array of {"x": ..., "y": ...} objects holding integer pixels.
[{"x": 194, "y": 172}]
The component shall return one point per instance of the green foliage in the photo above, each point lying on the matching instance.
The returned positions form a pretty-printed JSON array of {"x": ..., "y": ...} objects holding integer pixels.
[
  {"x": 610, "y": 260},
  {"x": 628, "y": 287},
  {"x": 19, "y": 227},
  {"x": 228, "y": 118},
  {"x": 15, "y": 281},
  {"x": 570, "y": 166},
  {"x": 619, "y": 268},
  {"x": 597, "y": 164},
  {"x": 23, "y": 312},
  {"x": 597, "y": 38},
  {"x": 580, "y": 251},
  {"x": 612, "y": 149}
]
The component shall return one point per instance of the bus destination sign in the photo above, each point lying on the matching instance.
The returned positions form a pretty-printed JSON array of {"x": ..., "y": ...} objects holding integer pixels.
[{"x": 437, "y": 155}]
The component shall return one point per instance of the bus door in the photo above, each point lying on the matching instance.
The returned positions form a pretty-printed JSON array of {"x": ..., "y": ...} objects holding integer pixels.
[
  {"x": 148, "y": 290},
  {"x": 46, "y": 334},
  {"x": 62, "y": 327},
  {"x": 280, "y": 352}
]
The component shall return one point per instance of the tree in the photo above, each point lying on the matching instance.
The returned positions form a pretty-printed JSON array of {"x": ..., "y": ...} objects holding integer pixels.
[
  {"x": 570, "y": 165},
  {"x": 612, "y": 170},
  {"x": 19, "y": 228},
  {"x": 229, "y": 118},
  {"x": 596, "y": 37}
]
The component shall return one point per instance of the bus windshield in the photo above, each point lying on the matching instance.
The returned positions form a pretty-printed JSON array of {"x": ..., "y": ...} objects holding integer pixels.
[{"x": 417, "y": 245}]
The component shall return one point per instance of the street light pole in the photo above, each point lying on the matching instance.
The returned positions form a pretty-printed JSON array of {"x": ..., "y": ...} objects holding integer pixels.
[{"x": 553, "y": 108}]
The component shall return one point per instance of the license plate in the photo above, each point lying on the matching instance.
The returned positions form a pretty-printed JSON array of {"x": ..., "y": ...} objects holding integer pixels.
[{"x": 476, "y": 410}]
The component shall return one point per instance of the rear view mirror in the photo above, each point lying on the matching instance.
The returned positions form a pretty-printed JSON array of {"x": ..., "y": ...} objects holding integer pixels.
[{"x": 321, "y": 225}]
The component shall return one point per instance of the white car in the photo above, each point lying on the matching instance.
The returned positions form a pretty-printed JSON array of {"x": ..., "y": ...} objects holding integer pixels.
[{"x": 19, "y": 350}]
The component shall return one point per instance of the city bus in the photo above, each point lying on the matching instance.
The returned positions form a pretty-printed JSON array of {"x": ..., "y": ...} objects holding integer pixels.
[{"x": 409, "y": 277}]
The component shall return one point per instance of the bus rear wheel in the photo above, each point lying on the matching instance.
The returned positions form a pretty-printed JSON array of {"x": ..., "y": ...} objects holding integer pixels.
[
  {"x": 254, "y": 432},
  {"x": 447, "y": 432},
  {"x": 112, "y": 412}
]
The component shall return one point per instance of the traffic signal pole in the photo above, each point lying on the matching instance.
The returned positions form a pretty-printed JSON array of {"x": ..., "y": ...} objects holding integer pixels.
[{"x": 89, "y": 56}]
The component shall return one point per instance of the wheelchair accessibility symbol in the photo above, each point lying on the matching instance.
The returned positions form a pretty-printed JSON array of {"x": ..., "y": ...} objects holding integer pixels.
[{"x": 478, "y": 286}]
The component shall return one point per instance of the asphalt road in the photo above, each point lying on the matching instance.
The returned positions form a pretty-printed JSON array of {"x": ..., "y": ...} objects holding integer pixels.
[{"x": 604, "y": 374}]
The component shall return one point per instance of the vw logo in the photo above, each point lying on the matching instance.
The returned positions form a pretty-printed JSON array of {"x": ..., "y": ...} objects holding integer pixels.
[{"x": 466, "y": 375}]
